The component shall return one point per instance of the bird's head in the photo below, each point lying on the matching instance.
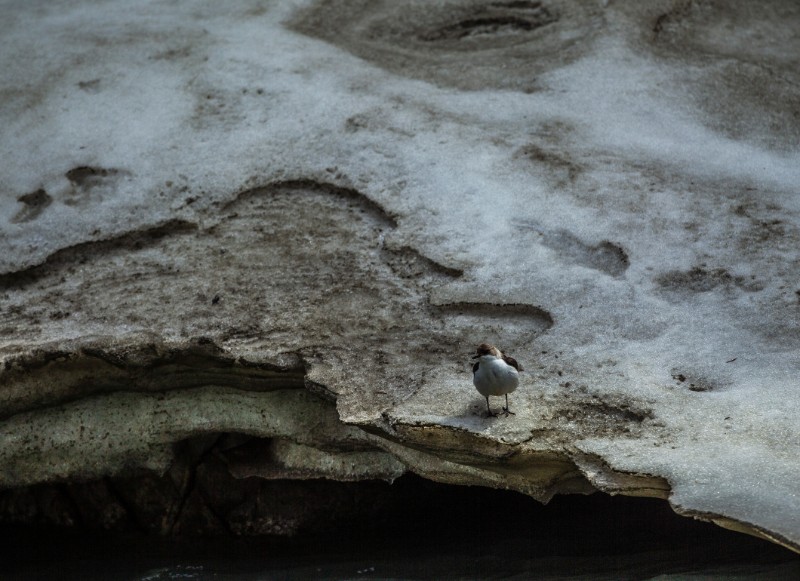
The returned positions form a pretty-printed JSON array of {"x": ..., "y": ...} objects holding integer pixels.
[{"x": 488, "y": 351}]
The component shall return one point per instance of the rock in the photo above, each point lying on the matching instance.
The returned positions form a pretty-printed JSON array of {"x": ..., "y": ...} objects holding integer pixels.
[{"x": 262, "y": 243}]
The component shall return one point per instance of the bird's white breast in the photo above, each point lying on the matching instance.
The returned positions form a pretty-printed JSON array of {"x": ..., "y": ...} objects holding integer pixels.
[{"x": 495, "y": 377}]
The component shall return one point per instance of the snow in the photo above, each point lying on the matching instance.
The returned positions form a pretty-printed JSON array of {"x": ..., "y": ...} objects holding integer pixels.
[{"x": 188, "y": 99}]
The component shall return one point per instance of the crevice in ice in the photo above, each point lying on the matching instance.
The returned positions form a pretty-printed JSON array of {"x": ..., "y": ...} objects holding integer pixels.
[
  {"x": 487, "y": 25},
  {"x": 605, "y": 256},
  {"x": 88, "y": 182},
  {"x": 90, "y": 177},
  {"x": 535, "y": 315},
  {"x": 298, "y": 186},
  {"x": 51, "y": 376},
  {"x": 84, "y": 251},
  {"x": 33, "y": 204},
  {"x": 679, "y": 284},
  {"x": 407, "y": 262},
  {"x": 438, "y": 42},
  {"x": 694, "y": 382}
]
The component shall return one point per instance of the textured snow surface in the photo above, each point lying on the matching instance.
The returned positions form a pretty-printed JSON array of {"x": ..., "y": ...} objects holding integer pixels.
[{"x": 633, "y": 171}]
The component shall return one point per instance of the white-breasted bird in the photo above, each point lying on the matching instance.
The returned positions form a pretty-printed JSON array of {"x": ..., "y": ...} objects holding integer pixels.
[{"x": 495, "y": 374}]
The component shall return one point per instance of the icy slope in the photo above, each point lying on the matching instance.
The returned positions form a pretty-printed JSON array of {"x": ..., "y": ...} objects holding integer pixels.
[{"x": 623, "y": 178}]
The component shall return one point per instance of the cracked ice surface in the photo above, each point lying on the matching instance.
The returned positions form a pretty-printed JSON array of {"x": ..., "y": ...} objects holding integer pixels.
[{"x": 630, "y": 171}]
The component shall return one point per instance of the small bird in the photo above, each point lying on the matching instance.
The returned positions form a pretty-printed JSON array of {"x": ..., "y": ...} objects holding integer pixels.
[{"x": 495, "y": 374}]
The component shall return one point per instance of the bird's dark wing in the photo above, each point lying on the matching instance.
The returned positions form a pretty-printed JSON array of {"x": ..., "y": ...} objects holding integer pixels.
[
  {"x": 475, "y": 367},
  {"x": 512, "y": 362}
]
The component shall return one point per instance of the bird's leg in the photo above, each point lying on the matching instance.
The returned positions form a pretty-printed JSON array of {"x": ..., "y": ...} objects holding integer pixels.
[
  {"x": 506, "y": 411},
  {"x": 489, "y": 413}
]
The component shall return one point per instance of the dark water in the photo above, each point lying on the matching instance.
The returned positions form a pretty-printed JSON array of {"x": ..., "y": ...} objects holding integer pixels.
[{"x": 429, "y": 531}]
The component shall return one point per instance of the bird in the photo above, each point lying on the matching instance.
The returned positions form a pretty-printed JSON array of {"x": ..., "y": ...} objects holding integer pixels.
[{"x": 495, "y": 374}]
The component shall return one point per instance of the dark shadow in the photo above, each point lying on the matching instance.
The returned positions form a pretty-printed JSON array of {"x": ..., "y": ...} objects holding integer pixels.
[{"x": 417, "y": 529}]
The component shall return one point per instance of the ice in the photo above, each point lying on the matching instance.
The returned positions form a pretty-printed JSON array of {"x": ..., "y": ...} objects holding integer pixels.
[{"x": 611, "y": 196}]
